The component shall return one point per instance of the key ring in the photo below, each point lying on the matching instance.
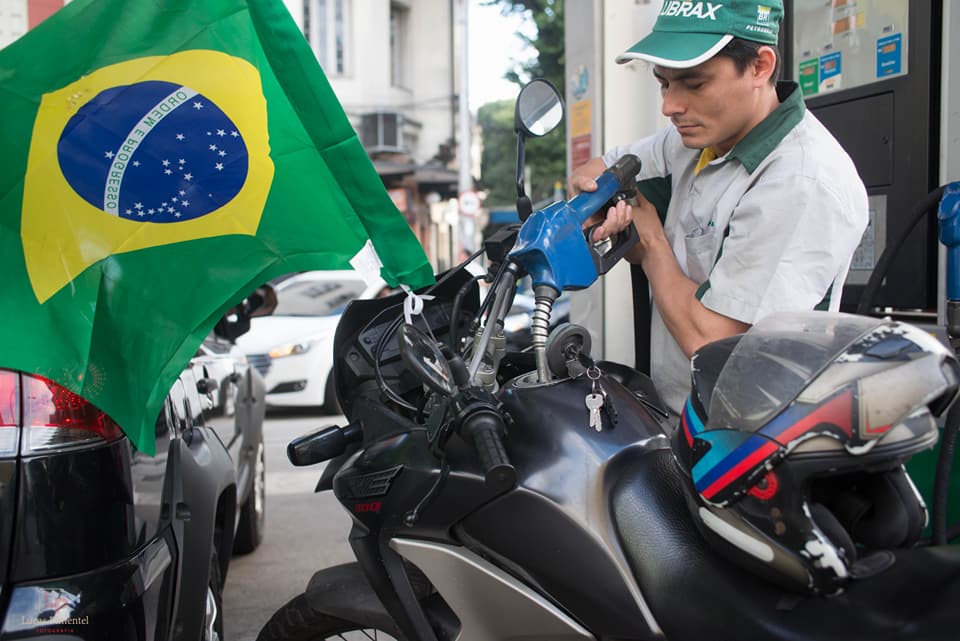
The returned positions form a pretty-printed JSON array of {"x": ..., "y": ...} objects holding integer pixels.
[{"x": 593, "y": 373}]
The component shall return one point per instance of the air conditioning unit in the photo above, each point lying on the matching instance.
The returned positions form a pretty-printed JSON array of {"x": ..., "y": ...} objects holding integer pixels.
[{"x": 382, "y": 131}]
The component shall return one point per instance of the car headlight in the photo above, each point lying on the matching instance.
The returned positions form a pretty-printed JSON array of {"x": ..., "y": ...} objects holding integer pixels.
[
  {"x": 516, "y": 323},
  {"x": 289, "y": 349}
]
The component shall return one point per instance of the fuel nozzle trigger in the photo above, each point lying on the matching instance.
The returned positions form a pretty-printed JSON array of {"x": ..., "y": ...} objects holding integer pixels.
[{"x": 606, "y": 253}]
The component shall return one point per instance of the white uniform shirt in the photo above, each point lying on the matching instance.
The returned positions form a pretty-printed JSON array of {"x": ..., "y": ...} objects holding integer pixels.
[{"x": 770, "y": 226}]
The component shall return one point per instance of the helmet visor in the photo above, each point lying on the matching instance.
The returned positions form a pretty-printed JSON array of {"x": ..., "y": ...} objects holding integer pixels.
[{"x": 775, "y": 360}]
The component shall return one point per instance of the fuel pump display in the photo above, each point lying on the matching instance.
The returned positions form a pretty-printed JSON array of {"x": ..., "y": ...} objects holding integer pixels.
[
  {"x": 869, "y": 70},
  {"x": 843, "y": 44}
]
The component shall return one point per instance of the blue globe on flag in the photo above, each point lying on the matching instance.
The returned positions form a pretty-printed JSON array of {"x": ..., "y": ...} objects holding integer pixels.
[{"x": 154, "y": 152}]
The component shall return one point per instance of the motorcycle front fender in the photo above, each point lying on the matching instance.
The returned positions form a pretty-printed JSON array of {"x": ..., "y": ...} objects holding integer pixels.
[{"x": 343, "y": 591}]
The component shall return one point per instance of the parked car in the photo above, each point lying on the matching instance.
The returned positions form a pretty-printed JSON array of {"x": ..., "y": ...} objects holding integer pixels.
[
  {"x": 232, "y": 397},
  {"x": 99, "y": 540},
  {"x": 293, "y": 347},
  {"x": 225, "y": 363}
]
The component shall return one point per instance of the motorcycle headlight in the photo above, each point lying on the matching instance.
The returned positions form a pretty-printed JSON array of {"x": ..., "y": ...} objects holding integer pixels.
[{"x": 289, "y": 349}]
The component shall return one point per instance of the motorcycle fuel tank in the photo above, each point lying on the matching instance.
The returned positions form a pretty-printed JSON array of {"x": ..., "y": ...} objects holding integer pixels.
[{"x": 556, "y": 525}]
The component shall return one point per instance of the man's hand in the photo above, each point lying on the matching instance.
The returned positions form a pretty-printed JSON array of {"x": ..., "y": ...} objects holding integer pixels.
[
  {"x": 615, "y": 219},
  {"x": 581, "y": 182},
  {"x": 647, "y": 221}
]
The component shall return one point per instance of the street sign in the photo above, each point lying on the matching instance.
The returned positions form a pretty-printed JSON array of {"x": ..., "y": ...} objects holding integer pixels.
[{"x": 469, "y": 203}]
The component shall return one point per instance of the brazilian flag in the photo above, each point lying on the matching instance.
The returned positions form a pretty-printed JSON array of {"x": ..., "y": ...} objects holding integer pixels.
[{"x": 160, "y": 160}]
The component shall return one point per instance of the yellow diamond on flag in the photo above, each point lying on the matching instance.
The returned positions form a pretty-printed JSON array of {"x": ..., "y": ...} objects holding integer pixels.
[{"x": 142, "y": 153}]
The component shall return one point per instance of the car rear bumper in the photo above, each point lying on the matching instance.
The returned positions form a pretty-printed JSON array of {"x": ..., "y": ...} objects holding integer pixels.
[{"x": 119, "y": 601}]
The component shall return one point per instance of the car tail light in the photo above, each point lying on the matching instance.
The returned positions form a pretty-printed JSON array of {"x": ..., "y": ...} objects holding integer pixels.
[
  {"x": 9, "y": 412},
  {"x": 54, "y": 417}
]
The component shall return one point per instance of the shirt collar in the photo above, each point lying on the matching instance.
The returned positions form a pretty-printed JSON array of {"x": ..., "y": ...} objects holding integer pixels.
[{"x": 762, "y": 139}]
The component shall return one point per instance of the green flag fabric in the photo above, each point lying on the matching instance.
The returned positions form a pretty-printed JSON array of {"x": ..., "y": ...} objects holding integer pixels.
[{"x": 161, "y": 159}]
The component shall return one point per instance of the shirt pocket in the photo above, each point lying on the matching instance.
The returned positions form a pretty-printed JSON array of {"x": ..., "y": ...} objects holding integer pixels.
[{"x": 701, "y": 253}]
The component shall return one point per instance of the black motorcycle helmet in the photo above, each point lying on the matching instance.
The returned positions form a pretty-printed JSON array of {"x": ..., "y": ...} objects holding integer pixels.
[{"x": 794, "y": 437}]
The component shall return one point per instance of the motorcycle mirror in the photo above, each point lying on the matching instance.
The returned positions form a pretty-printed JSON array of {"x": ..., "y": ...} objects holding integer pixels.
[
  {"x": 539, "y": 108},
  {"x": 538, "y": 111}
]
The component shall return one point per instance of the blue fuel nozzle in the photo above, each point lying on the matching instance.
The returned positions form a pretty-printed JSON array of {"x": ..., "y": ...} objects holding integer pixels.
[
  {"x": 551, "y": 245},
  {"x": 948, "y": 215}
]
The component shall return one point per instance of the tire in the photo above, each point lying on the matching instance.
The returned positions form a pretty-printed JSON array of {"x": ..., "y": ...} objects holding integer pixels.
[
  {"x": 213, "y": 615},
  {"x": 331, "y": 405},
  {"x": 253, "y": 511},
  {"x": 297, "y": 621}
]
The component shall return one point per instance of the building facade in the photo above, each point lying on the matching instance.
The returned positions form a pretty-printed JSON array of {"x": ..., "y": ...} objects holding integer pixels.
[
  {"x": 19, "y": 16},
  {"x": 395, "y": 67}
]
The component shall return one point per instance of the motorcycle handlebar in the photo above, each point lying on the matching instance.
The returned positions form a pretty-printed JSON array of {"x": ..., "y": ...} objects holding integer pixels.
[{"x": 484, "y": 428}]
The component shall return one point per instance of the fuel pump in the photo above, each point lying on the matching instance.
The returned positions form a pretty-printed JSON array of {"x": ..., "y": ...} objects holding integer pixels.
[{"x": 948, "y": 215}]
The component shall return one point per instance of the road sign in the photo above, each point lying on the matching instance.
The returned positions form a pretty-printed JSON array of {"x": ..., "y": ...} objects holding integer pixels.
[{"x": 469, "y": 203}]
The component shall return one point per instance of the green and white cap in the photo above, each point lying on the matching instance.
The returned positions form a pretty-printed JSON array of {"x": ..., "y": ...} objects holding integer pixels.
[{"x": 688, "y": 33}]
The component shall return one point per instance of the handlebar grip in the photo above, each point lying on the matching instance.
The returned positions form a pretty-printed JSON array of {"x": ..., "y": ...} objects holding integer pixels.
[{"x": 484, "y": 429}]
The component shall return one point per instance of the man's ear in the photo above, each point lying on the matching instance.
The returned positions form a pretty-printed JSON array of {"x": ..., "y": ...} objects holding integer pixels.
[{"x": 765, "y": 65}]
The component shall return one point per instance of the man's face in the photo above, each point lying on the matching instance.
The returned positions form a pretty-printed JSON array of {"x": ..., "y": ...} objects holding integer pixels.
[{"x": 712, "y": 104}]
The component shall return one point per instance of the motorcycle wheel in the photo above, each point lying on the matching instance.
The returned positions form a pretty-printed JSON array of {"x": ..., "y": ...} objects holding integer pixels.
[{"x": 297, "y": 621}]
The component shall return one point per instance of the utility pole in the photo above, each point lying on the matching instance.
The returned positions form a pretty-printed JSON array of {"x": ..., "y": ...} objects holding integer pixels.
[{"x": 465, "y": 183}]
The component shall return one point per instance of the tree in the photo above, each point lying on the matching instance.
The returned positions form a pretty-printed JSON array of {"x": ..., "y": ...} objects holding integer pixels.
[
  {"x": 499, "y": 151},
  {"x": 547, "y": 157}
]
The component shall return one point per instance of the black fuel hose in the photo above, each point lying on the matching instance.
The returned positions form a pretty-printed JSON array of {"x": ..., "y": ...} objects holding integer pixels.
[
  {"x": 940, "y": 533},
  {"x": 925, "y": 205},
  {"x": 941, "y": 483}
]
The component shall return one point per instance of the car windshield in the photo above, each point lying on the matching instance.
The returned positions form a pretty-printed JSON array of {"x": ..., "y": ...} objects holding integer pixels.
[
  {"x": 775, "y": 360},
  {"x": 317, "y": 298}
]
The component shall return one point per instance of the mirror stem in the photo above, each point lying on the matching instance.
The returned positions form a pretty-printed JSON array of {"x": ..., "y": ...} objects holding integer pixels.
[{"x": 524, "y": 206}]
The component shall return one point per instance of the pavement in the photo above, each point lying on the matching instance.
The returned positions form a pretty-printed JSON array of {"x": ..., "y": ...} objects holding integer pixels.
[{"x": 304, "y": 532}]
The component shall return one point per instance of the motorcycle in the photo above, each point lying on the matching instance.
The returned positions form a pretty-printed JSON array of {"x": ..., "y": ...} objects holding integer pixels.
[{"x": 540, "y": 495}]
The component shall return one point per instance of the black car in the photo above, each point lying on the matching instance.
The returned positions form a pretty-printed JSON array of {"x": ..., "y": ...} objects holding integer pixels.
[
  {"x": 233, "y": 397},
  {"x": 100, "y": 541}
]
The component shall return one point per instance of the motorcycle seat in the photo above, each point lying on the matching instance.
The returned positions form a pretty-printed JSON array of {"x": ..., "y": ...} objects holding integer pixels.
[{"x": 694, "y": 593}]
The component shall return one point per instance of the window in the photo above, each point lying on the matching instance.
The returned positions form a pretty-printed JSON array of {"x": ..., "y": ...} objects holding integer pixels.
[
  {"x": 317, "y": 297},
  {"x": 382, "y": 131},
  {"x": 399, "y": 19},
  {"x": 326, "y": 25}
]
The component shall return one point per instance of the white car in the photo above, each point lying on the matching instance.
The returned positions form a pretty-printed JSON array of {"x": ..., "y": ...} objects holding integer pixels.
[{"x": 293, "y": 347}]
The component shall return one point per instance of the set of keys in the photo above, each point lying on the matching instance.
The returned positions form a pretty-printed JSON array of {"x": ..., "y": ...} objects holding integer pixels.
[{"x": 596, "y": 400}]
